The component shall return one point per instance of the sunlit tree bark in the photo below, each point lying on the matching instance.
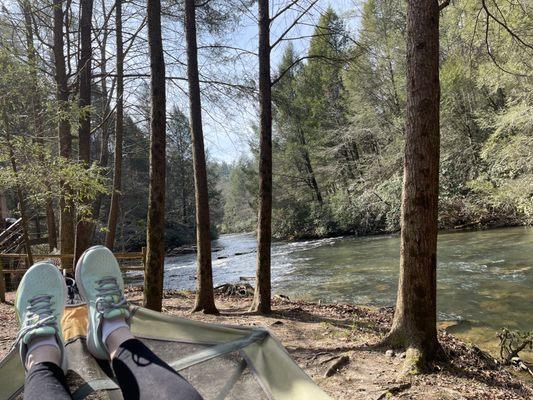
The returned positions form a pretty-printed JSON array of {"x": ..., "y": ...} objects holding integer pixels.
[
  {"x": 414, "y": 324},
  {"x": 84, "y": 227},
  {"x": 66, "y": 209},
  {"x": 205, "y": 298},
  {"x": 262, "y": 300},
  {"x": 119, "y": 131},
  {"x": 155, "y": 257}
]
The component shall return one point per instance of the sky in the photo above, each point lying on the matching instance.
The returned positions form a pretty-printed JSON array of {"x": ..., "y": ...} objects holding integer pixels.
[
  {"x": 228, "y": 119},
  {"x": 229, "y": 131}
]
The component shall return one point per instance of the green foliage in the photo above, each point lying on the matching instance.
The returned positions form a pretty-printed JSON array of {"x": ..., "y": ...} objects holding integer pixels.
[
  {"x": 338, "y": 132},
  {"x": 26, "y": 163},
  {"x": 39, "y": 177},
  {"x": 339, "y": 118},
  {"x": 216, "y": 173},
  {"x": 370, "y": 212},
  {"x": 302, "y": 220},
  {"x": 179, "y": 198},
  {"x": 239, "y": 200}
]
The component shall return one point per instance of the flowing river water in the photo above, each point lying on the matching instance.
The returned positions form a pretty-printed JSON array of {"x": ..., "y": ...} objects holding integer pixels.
[{"x": 485, "y": 278}]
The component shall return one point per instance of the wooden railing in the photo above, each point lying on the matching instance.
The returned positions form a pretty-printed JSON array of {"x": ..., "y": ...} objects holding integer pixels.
[
  {"x": 127, "y": 262},
  {"x": 11, "y": 238}
]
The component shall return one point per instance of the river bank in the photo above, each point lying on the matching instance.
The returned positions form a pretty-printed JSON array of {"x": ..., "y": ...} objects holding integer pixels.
[
  {"x": 382, "y": 222},
  {"x": 444, "y": 227},
  {"x": 317, "y": 335},
  {"x": 484, "y": 277}
]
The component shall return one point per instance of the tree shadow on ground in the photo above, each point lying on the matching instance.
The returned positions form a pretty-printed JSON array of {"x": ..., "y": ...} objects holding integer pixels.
[{"x": 353, "y": 319}]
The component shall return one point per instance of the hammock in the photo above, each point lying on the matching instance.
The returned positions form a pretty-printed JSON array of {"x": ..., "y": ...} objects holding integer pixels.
[{"x": 221, "y": 362}]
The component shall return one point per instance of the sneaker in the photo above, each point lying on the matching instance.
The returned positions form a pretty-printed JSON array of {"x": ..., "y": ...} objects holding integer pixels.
[
  {"x": 39, "y": 305},
  {"x": 100, "y": 283}
]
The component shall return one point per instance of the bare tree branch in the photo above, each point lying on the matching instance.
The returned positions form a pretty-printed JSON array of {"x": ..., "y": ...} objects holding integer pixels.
[
  {"x": 488, "y": 17},
  {"x": 293, "y": 24},
  {"x": 444, "y": 4},
  {"x": 310, "y": 56},
  {"x": 280, "y": 12},
  {"x": 503, "y": 25},
  {"x": 244, "y": 88}
]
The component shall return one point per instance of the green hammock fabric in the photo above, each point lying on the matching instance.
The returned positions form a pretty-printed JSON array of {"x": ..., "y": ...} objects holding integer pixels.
[{"x": 221, "y": 362}]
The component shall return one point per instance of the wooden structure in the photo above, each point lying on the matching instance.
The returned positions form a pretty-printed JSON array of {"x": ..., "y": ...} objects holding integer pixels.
[
  {"x": 12, "y": 235},
  {"x": 14, "y": 265},
  {"x": 11, "y": 239},
  {"x": 14, "y": 262}
]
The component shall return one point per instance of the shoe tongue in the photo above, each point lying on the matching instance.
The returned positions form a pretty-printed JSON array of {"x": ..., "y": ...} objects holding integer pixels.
[{"x": 41, "y": 331}]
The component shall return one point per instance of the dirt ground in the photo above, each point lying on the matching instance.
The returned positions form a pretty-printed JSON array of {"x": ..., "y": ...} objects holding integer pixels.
[{"x": 316, "y": 335}]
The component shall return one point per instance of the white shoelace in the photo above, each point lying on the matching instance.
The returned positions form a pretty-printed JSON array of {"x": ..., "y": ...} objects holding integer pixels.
[
  {"x": 107, "y": 290},
  {"x": 40, "y": 314}
]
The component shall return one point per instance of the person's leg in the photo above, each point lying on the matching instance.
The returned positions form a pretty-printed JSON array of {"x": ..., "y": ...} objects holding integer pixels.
[
  {"x": 143, "y": 375},
  {"x": 140, "y": 373},
  {"x": 46, "y": 381},
  {"x": 39, "y": 305}
]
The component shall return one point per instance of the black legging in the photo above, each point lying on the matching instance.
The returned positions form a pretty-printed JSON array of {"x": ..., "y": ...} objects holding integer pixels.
[
  {"x": 46, "y": 381},
  {"x": 140, "y": 373}
]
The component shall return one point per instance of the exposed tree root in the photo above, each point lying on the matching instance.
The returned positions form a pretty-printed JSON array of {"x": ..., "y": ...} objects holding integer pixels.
[
  {"x": 418, "y": 360},
  {"x": 235, "y": 289},
  {"x": 260, "y": 305},
  {"x": 206, "y": 309},
  {"x": 513, "y": 342},
  {"x": 394, "y": 391},
  {"x": 415, "y": 362},
  {"x": 337, "y": 365}
]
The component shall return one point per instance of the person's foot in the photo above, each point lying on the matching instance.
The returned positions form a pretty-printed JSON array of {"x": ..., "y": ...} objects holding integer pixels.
[
  {"x": 100, "y": 283},
  {"x": 39, "y": 305}
]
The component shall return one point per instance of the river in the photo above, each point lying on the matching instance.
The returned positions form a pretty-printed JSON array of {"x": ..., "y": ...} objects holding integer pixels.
[{"x": 485, "y": 278}]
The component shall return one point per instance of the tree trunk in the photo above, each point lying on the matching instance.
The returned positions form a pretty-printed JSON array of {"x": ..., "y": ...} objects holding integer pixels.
[
  {"x": 262, "y": 301},
  {"x": 105, "y": 113},
  {"x": 205, "y": 298},
  {"x": 51, "y": 224},
  {"x": 119, "y": 131},
  {"x": 66, "y": 208},
  {"x": 309, "y": 167},
  {"x": 184, "y": 213},
  {"x": 155, "y": 246},
  {"x": 84, "y": 229},
  {"x": 414, "y": 324},
  {"x": 37, "y": 117},
  {"x": 312, "y": 179}
]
